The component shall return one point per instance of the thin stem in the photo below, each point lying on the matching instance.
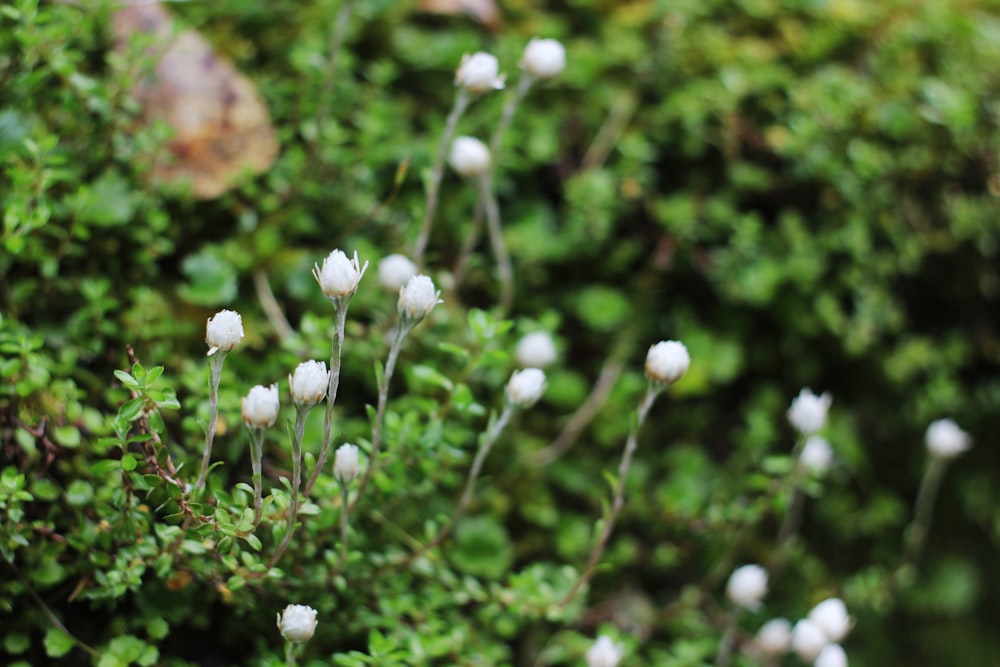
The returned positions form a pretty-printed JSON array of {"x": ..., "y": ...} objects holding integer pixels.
[
  {"x": 293, "y": 511},
  {"x": 340, "y": 310},
  {"x": 923, "y": 510},
  {"x": 213, "y": 416},
  {"x": 289, "y": 654},
  {"x": 725, "y": 654},
  {"x": 504, "y": 267},
  {"x": 345, "y": 525},
  {"x": 256, "y": 454},
  {"x": 470, "y": 242},
  {"x": 462, "y": 100},
  {"x": 336, "y": 43},
  {"x": 793, "y": 517},
  {"x": 619, "y": 498},
  {"x": 523, "y": 86},
  {"x": 270, "y": 305}
]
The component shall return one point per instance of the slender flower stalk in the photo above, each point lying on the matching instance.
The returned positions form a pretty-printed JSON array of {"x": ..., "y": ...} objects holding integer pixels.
[
  {"x": 509, "y": 108},
  {"x": 256, "y": 456},
  {"x": 301, "y": 411},
  {"x": 793, "y": 516},
  {"x": 260, "y": 411},
  {"x": 213, "y": 416},
  {"x": 725, "y": 653},
  {"x": 223, "y": 332},
  {"x": 340, "y": 321},
  {"x": 505, "y": 268},
  {"x": 923, "y": 510},
  {"x": 345, "y": 526}
]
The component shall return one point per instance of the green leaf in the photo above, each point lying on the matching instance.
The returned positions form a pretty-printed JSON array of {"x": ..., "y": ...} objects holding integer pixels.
[
  {"x": 79, "y": 493},
  {"x": 482, "y": 547},
  {"x": 431, "y": 376},
  {"x": 253, "y": 541},
  {"x": 211, "y": 280},
  {"x": 128, "y": 462},
  {"x": 57, "y": 643},
  {"x": 104, "y": 467},
  {"x": 16, "y": 643}
]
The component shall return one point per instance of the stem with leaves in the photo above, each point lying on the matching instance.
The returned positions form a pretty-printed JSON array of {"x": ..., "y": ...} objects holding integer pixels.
[
  {"x": 256, "y": 456},
  {"x": 301, "y": 411},
  {"x": 213, "y": 418}
]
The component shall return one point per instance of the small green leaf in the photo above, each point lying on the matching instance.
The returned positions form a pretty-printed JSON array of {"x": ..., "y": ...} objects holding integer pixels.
[
  {"x": 128, "y": 462},
  {"x": 79, "y": 493},
  {"x": 16, "y": 643},
  {"x": 57, "y": 643},
  {"x": 253, "y": 541}
]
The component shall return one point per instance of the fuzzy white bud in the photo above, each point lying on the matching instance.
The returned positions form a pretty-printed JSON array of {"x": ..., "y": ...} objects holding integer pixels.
[
  {"x": 469, "y": 157},
  {"x": 345, "y": 463},
  {"x": 525, "y": 387},
  {"x": 297, "y": 623},
  {"x": 604, "y": 653},
  {"x": 339, "y": 276},
  {"x": 479, "y": 73},
  {"x": 260, "y": 406},
  {"x": 747, "y": 586},
  {"x": 945, "y": 440},
  {"x": 536, "y": 350},
  {"x": 394, "y": 271},
  {"x": 817, "y": 455},
  {"x": 808, "y": 639},
  {"x": 774, "y": 637},
  {"x": 667, "y": 361},
  {"x": 309, "y": 383},
  {"x": 417, "y": 297},
  {"x": 224, "y": 331},
  {"x": 831, "y": 617},
  {"x": 832, "y": 655},
  {"x": 544, "y": 58},
  {"x": 808, "y": 411}
]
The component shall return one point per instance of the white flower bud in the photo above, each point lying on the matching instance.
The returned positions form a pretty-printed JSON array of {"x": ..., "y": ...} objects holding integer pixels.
[
  {"x": 536, "y": 350},
  {"x": 394, "y": 271},
  {"x": 340, "y": 275},
  {"x": 808, "y": 411},
  {"x": 747, "y": 586},
  {"x": 345, "y": 463},
  {"x": 544, "y": 58},
  {"x": 479, "y": 73},
  {"x": 525, "y": 387},
  {"x": 417, "y": 297},
  {"x": 808, "y": 639},
  {"x": 816, "y": 455},
  {"x": 945, "y": 440},
  {"x": 604, "y": 653},
  {"x": 469, "y": 157},
  {"x": 667, "y": 361},
  {"x": 832, "y": 655},
  {"x": 831, "y": 617},
  {"x": 297, "y": 623},
  {"x": 260, "y": 406},
  {"x": 309, "y": 383},
  {"x": 224, "y": 331},
  {"x": 774, "y": 637}
]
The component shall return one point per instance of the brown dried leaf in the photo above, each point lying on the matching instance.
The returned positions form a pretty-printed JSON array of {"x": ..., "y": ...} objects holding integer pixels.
[
  {"x": 221, "y": 126},
  {"x": 483, "y": 11}
]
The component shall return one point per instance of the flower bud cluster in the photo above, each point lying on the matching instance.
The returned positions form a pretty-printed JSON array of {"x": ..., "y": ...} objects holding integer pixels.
[
  {"x": 297, "y": 623},
  {"x": 339, "y": 276},
  {"x": 260, "y": 406},
  {"x": 417, "y": 298},
  {"x": 479, "y": 73},
  {"x": 309, "y": 383},
  {"x": 224, "y": 331},
  {"x": 816, "y": 637}
]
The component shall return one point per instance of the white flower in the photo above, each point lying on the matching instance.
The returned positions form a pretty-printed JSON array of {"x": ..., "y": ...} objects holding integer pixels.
[
  {"x": 297, "y": 623},
  {"x": 774, "y": 637},
  {"x": 604, "y": 653},
  {"x": 345, "y": 463},
  {"x": 535, "y": 350},
  {"x": 832, "y": 655},
  {"x": 808, "y": 639},
  {"x": 417, "y": 297},
  {"x": 309, "y": 383},
  {"x": 469, "y": 156},
  {"x": 260, "y": 406},
  {"x": 479, "y": 73},
  {"x": 525, "y": 387},
  {"x": 544, "y": 58},
  {"x": 394, "y": 271},
  {"x": 747, "y": 586},
  {"x": 945, "y": 440},
  {"x": 224, "y": 331},
  {"x": 808, "y": 411},
  {"x": 816, "y": 455},
  {"x": 340, "y": 274},
  {"x": 831, "y": 617},
  {"x": 667, "y": 361}
]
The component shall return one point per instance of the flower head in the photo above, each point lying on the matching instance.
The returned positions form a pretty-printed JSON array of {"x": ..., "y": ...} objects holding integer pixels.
[
  {"x": 774, "y": 637},
  {"x": 297, "y": 623},
  {"x": 604, "y": 653},
  {"x": 260, "y": 406},
  {"x": 525, "y": 387},
  {"x": 345, "y": 463},
  {"x": 394, "y": 271},
  {"x": 535, "y": 350},
  {"x": 479, "y": 73},
  {"x": 309, "y": 383},
  {"x": 808, "y": 639},
  {"x": 945, "y": 440},
  {"x": 667, "y": 361},
  {"x": 224, "y": 331},
  {"x": 469, "y": 156},
  {"x": 832, "y": 655},
  {"x": 417, "y": 297},
  {"x": 747, "y": 586},
  {"x": 544, "y": 58},
  {"x": 816, "y": 455},
  {"x": 339, "y": 275},
  {"x": 831, "y": 617},
  {"x": 808, "y": 411}
]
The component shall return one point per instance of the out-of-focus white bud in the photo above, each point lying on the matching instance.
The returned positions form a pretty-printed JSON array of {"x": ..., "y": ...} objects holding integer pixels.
[
  {"x": 667, "y": 361},
  {"x": 479, "y": 73},
  {"x": 469, "y": 157},
  {"x": 831, "y": 617},
  {"x": 417, "y": 297},
  {"x": 945, "y": 440},
  {"x": 297, "y": 623},
  {"x": 536, "y": 350},
  {"x": 544, "y": 58},
  {"x": 808, "y": 639},
  {"x": 808, "y": 411},
  {"x": 525, "y": 387},
  {"x": 394, "y": 271},
  {"x": 224, "y": 331},
  {"x": 260, "y": 406},
  {"x": 604, "y": 653},
  {"x": 345, "y": 463},
  {"x": 774, "y": 637},
  {"x": 832, "y": 655},
  {"x": 816, "y": 455},
  {"x": 747, "y": 586},
  {"x": 309, "y": 383},
  {"x": 339, "y": 275}
]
